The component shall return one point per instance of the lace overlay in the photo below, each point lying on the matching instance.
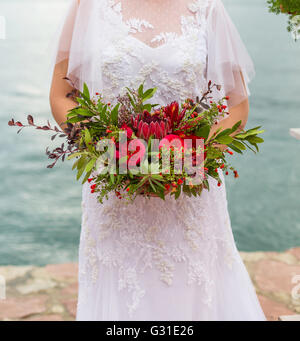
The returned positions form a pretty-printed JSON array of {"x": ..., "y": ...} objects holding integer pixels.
[{"x": 134, "y": 238}]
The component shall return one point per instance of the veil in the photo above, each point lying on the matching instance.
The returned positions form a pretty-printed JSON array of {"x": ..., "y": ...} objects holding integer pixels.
[{"x": 86, "y": 29}]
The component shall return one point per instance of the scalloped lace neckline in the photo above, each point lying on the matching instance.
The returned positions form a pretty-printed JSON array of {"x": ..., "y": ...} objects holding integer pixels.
[{"x": 137, "y": 25}]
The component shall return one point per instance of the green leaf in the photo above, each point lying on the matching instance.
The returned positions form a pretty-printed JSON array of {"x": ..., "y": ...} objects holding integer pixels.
[
  {"x": 87, "y": 137},
  {"x": 233, "y": 147},
  {"x": 70, "y": 157},
  {"x": 203, "y": 132},
  {"x": 148, "y": 94},
  {"x": 141, "y": 90},
  {"x": 112, "y": 178},
  {"x": 147, "y": 107},
  {"x": 76, "y": 119},
  {"x": 86, "y": 177},
  {"x": 114, "y": 114},
  {"x": 178, "y": 192},
  {"x": 90, "y": 165},
  {"x": 83, "y": 112},
  {"x": 153, "y": 187},
  {"x": 223, "y": 133},
  {"x": 254, "y": 139},
  {"x": 225, "y": 139},
  {"x": 239, "y": 145},
  {"x": 80, "y": 172},
  {"x": 86, "y": 91},
  {"x": 75, "y": 164},
  {"x": 236, "y": 126}
]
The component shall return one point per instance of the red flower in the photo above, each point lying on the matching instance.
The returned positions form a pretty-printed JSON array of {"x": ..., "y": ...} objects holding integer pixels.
[
  {"x": 140, "y": 149},
  {"x": 128, "y": 130},
  {"x": 171, "y": 138},
  {"x": 167, "y": 186}
]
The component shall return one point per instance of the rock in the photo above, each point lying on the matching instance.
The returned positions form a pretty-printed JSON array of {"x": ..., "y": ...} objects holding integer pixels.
[
  {"x": 45, "y": 318},
  {"x": 35, "y": 285},
  {"x": 295, "y": 252},
  {"x": 273, "y": 276},
  {"x": 252, "y": 256},
  {"x": 57, "y": 309},
  {"x": 71, "y": 306},
  {"x": 70, "y": 290},
  {"x": 273, "y": 309},
  {"x": 12, "y": 272},
  {"x": 63, "y": 271},
  {"x": 293, "y": 318},
  {"x": 16, "y": 308}
]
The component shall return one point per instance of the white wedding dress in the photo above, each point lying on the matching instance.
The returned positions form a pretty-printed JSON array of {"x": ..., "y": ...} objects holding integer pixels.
[{"x": 153, "y": 259}]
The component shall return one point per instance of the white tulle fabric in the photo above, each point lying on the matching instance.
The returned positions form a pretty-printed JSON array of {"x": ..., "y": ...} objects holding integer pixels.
[{"x": 154, "y": 259}]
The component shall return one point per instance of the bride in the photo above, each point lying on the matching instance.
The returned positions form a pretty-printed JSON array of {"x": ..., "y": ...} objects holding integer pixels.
[{"x": 153, "y": 259}]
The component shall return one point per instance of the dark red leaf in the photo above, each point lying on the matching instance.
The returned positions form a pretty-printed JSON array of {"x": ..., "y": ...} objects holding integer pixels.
[{"x": 30, "y": 120}]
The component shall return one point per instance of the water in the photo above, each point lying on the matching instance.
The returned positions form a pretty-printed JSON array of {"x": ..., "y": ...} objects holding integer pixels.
[{"x": 40, "y": 208}]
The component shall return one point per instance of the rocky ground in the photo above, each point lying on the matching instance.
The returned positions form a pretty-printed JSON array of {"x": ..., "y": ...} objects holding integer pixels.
[{"x": 49, "y": 293}]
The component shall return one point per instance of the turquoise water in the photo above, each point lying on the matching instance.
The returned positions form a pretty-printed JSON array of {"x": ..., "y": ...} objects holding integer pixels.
[{"x": 40, "y": 208}]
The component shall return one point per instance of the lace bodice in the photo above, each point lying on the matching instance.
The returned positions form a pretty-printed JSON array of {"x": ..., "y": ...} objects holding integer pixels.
[{"x": 171, "y": 56}]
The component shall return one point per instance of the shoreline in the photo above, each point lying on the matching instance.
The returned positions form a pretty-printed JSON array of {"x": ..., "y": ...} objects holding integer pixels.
[{"x": 49, "y": 293}]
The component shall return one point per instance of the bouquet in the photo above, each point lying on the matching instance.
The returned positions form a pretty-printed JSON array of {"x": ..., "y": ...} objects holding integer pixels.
[
  {"x": 292, "y": 9},
  {"x": 136, "y": 148}
]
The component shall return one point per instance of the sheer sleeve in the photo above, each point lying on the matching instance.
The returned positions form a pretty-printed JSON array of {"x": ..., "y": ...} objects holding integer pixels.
[
  {"x": 228, "y": 63},
  {"x": 76, "y": 42}
]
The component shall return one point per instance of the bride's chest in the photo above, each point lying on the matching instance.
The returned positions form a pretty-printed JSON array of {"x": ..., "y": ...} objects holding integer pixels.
[{"x": 174, "y": 58}]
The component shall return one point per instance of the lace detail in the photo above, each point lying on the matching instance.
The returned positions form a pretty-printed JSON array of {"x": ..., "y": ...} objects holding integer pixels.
[
  {"x": 150, "y": 236},
  {"x": 177, "y": 65},
  {"x": 136, "y": 25}
]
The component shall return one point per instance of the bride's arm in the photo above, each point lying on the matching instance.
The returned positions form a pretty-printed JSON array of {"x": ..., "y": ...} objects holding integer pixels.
[
  {"x": 60, "y": 103},
  {"x": 237, "y": 113}
]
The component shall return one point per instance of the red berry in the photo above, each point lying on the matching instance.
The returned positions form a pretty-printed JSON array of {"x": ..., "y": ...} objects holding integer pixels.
[
  {"x": 222, "y": 166},
  {"x": 226, "y": 173},
  {"x": 219, "y": 184},
  {"x": 180, "y": 182},
  {"x": 93, "y": 186},
  {"x": 92, "y": 191},
  {"x": 90, "y": 180},
  {"x": 128, "y": 189}
]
